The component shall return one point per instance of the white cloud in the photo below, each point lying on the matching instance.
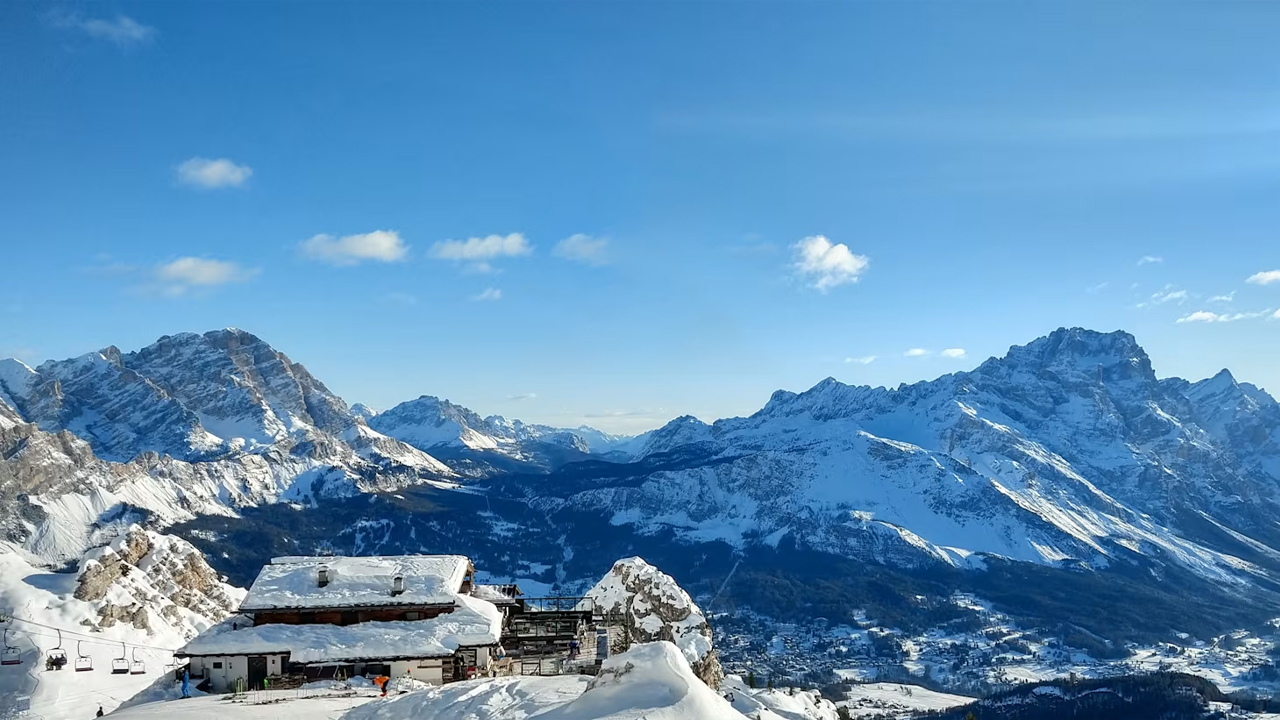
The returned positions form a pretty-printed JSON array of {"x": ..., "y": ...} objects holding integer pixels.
[
  {"x": 1264, "y": 278},
  {"x": 206, "y": 173},
  {"x": 181, "y": 275},
  {"x": 953, "y": 353},
  {"x": 488, "y": 294},
  {"x": 916, "y": 352},
  {"x": 864, "y": 360},
  {"x": 1150, "y": 259},
  {"x": 826, "y": 265},
  {"x": 121, "y": 30},
  {"x": 523, "y": 396},
  {"x": 1276, "y": 315},
  {"x": 1095, "y": 289},
  {"x": 379, "y": 246},
  {"x": 1165, "y": 296},
  {"x": 479, "y": 249},
  {"x": 1204, "y": 316},
  {"x": 1224, "y": 298},
  {"x": 584, "y": 249}
]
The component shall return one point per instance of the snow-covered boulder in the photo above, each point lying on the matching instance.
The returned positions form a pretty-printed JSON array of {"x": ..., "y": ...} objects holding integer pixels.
[{"x": 651, "y": 606}]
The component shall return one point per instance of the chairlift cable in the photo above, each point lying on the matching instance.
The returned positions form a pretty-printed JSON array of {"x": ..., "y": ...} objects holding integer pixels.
[{"x": 87, "y": 638}]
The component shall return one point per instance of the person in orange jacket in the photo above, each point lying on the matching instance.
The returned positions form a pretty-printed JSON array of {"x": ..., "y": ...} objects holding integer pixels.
[{"x": 381, "y": 681}]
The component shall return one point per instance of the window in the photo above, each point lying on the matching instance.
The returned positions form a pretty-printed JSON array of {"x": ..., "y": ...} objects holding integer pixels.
[
  {"x": 217, "y": 665},
  {"x": 413, "y": 616}
]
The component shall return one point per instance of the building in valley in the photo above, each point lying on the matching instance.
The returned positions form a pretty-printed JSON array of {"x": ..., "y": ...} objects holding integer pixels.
[{"x": 420, "y": 616}]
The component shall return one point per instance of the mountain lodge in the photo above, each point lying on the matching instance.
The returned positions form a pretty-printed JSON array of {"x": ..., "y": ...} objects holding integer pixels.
[{"x": 420, "y": 616}]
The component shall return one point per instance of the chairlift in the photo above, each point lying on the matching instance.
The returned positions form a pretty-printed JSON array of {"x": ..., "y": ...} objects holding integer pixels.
[
  {"x": 136, "y": 667},
  {"x": 84, "y": 663},
  {"x": 56, "y": 658},
  {"x": 12, "y": 655},
  {"x": 120, "y": 665}
]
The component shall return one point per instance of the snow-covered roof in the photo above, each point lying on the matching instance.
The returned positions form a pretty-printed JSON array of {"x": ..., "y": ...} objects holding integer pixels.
[
  {"x": 472, "y": 623},
  {"x": 293, "y": 582}
]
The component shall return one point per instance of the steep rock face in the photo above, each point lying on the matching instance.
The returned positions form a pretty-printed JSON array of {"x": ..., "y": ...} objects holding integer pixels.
[
  {"x": 1068, "y": 449},
  {"x": 144, "y": 574},
  {"x": 57, "y": 498},
  {"x": 190, "y": 396},
  {"x": 651, "y": 607}
]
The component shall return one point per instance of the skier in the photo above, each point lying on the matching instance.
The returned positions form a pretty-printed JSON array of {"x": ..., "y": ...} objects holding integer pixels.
[
  {"x": 381, "y": 681},
  {"x": 100, "y": 713},
  {"x": 573, "y": 649},
  {"x": 186, "y": 683}
]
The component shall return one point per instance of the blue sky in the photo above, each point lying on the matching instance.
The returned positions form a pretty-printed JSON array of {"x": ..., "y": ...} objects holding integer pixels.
[{"x": 617, "y": 213}]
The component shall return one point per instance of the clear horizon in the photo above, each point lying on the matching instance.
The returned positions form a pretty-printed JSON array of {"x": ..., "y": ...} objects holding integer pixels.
[{"x": 616, "y": 214}]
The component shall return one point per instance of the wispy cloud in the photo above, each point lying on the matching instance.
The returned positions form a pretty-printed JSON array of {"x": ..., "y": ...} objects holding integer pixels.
[
  {"x": 522, "y": 396},
  {"x": 1224, "y": 298},
  {"x": 1149, "y": 259},
  {"x": 489, "y": 294},
  {"x": 953, "y": 353},
  {"x": 825, "y": 265},
  {"x": 1264, "y": 278},
  {"x": 1095, "y": 289},
  {"x": 864, "y": 360},
  {"x": 122, "y": 30},
  {"x": 1167, "y": 295},
  {"x": 184, "y": 274},
  {"x": 1205, "y": 316},
  {"x": 377, "y": 246},
  {"x": 208, "y": 173},
  {"x": 915, "y": 352},
  {"x": 585, "y": 249},
  {"x": 479, "y": 249}
]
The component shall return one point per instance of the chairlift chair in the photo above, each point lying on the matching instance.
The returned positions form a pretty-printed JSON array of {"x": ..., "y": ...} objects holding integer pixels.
[
  {"x": 84, "y": 663},
  {"x": 120, "y": 665},
  {"x": 137, "y": 667},
  {"x": 11, "y": 655},
  {"x": 56, "y": 658}
]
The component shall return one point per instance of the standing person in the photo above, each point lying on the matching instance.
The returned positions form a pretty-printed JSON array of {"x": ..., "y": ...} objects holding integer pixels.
[
  {"x": 186, "y": 683},
  {"x": 573, "y": 649},
  {"x": 100, "y": 713}
]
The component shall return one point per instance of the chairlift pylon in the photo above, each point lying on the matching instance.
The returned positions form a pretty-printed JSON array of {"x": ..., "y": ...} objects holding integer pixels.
[
  {"x": 84, "y": 663},
  {"x": 56, "y": 658},
  {"x": 12, "y": 655},
  {"x": 137, "y": 667},
  {"x": 120, "y": 665}
]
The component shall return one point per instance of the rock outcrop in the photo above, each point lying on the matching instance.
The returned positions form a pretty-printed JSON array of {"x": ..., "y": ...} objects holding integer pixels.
[{"x": 649, "y": 606}]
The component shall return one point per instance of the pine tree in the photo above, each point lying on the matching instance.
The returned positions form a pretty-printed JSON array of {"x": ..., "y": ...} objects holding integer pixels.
[{"x": 751, "y": 679}]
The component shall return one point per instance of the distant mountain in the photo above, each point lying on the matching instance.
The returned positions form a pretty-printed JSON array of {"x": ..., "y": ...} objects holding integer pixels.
[
  {"x": 1066, "y": 451},
  {"x": 492, "y": 443},
  {"x": 209, "y": 423}
]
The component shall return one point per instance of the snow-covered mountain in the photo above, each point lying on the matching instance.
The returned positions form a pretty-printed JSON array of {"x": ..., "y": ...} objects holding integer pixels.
[
  {"x": 452, "y": 431},
  {"x": 1068, "y": 449}
]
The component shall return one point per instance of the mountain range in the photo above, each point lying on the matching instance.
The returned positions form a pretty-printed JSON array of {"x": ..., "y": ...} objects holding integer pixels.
[{"x": 1065, "y": 482}]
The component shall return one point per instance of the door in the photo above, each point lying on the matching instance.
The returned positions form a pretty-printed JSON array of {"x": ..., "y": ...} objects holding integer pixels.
[{"x": 257, "y": 671}]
